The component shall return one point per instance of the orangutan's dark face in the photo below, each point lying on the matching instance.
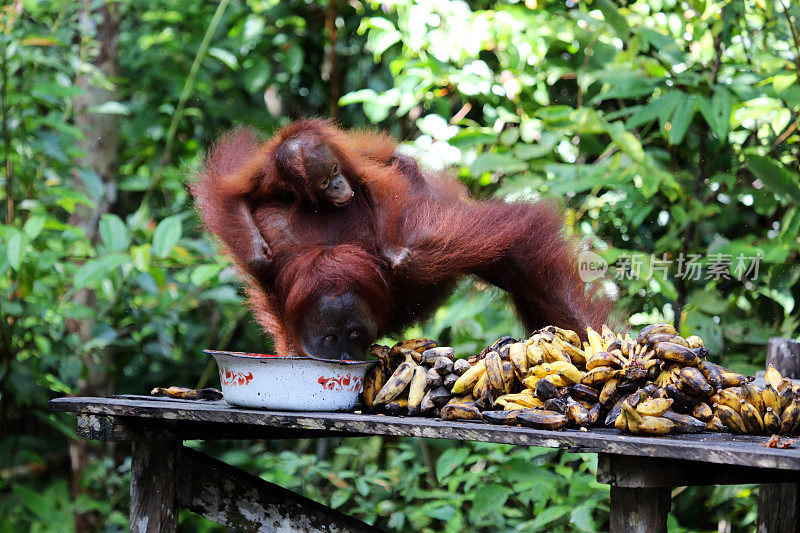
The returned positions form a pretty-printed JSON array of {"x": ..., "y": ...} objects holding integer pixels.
[{"x": 338, "y": 327}]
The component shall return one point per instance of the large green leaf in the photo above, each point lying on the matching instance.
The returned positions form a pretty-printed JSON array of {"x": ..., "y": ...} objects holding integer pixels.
[
  {"x": 96, "y": 269},
  {"x": 114, "y": 233},
  {"x": 776, "y": 177},
  {"x": 167, "y": 234}
]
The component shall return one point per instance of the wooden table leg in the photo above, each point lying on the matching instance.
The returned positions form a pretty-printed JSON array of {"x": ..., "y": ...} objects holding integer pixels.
[
  {"x": 779, "y": 503},
  {"x": 778, "y": 508},
  {"x": 639, "y": 510},
  {"x": 154, "y": 473}
]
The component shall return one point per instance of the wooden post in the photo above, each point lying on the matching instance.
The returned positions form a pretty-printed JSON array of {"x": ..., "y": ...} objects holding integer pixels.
[
  {"x": 779, "y": 503},
  {"x": 639, "y": 510},
  {"x": 154, "y": 474}
]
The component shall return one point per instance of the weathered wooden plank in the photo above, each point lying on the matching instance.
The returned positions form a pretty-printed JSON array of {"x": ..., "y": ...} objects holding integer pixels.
[
  {"x": 244, "y": 502},
  {"x": 639, "y": 510},
  {"x": 657, "y": 472},
  {"x": 125, "y": 428},
  {"x": 779, "y": 503},
  {"x": 154, "y": 473},
  {"x": 718, "y": 448}
]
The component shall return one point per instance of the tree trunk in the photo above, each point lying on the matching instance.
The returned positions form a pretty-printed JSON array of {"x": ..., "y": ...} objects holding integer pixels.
[{"x": 99, "y": 41}]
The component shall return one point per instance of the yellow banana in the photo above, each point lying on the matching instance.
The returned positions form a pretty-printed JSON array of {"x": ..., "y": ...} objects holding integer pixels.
[
  {"x": 595, "y": 340},
  {"x": 518, "y": 355},
  {"x": 373, "y": 382},
  {"x": 790, "y": 418},
  {"x": 598, "y": 375},
  {"x": 752, "y": 396},
  {"x": 494, "y": 373},
  {"x": 568, "y": 371},
  {"x": 702, "y": 411},
  {"x": 416, "y": 390},
  {"x": 535, "y": 355},
  {"x": 726, "y": 397},
  {"x": 633, "y": 418},
  {"x": 417, "y": 345},
  {"x": 752, "y": 418},
  {"x": 566, "y": 335},
  {"x": 695, "y": 381},
  {"x": 460, "y": 411},
  {"x": 771, "y": 399},
  {"x": 669, "y": 351},
  {"x": 654, "y": 406},
  {"x": 397, "y": 407},
  {"x": 574, "y": 353},
  {"x": 621, "y": 422},
  {"x": 508, "y": 376},
  {"x": 772, "y": 421},
  {"x": 396, "y": 384},
  {"x": 607, "y": 336},
  {"x": 541, "y": 419},
  {"x": 647, "y": 331},
  {"x": 481, "y": 387},
  {"x": 715, "y": 424},
  {"x": 773, "y": 377},
  {"x": 656, "y": 425},
  {"x": 468, "y": 379},
  {"x": 609, "y": 390},
  {"x": 732, "y": 379},
  {"x": 557, "y": 380},
  {"x": 603, "y": 359},
  {"x": 694, "y": 341},
  {"x": 553, "y": 351},
  {"x": 730, "y": 418},
  {"x": 531, "y": 381},
  {"x": 505, "y": 418}
]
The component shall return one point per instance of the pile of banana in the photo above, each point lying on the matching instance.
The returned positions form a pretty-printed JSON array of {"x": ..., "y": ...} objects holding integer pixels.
[
  {"x": 414, "y": 377},
  {"x": 654, "y": 384}
]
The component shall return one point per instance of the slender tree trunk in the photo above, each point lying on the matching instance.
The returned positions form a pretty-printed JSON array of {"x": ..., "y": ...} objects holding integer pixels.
[{"x": 99, "y": 48}]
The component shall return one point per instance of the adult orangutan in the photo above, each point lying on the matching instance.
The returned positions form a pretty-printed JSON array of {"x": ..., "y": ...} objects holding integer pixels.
[{"x": 335, "y": 276}]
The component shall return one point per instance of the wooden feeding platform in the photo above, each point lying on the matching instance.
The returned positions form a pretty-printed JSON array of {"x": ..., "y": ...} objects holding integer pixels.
[
  {"x": 641, "y": 470},
  {"x": 166, "y": 476}
]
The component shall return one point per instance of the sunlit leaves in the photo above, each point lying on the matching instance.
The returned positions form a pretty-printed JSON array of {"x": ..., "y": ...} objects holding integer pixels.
[{"x": 166, "y": 235}]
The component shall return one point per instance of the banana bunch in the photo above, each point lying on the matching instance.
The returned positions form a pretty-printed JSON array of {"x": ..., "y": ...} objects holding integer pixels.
[
  {"x": 414, "y": 377},
  {"x": 654, "y": 384},
  {"x": 747, "y": 409}
]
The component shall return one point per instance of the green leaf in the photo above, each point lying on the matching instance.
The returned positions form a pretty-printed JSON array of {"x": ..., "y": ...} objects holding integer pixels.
[
  {"x": 614, "y": 19},
  {"x": 776, "y": 178},
  {"x": 490, "y": 499},
  {"x": 226, "y": 57},
  {"x": 681, "y": 119},
  {"x": 451, "y": 459},
  {"x": 34, "y": 226},
  {"x": 167, "y": 234},
  {"x": 493, "y": 162},
  {"x": 114, "y": 233},
  {"x": 204, "y": 273},
  {"x": 15, "y": 249},
  {"x": 549, "y": 515},
  {"x": 790, "y": 227},
  {"x": 97, "y": 269}
]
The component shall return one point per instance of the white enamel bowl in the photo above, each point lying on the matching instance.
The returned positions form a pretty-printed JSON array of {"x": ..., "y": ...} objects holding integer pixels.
[{"x": 289, "y": 383}]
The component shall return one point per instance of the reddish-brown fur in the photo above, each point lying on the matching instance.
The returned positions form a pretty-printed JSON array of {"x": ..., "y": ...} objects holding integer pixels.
[{"x": 519, "y": 247}]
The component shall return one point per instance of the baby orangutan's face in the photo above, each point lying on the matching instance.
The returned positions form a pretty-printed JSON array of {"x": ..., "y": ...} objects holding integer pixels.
[{"x": 324, "y": 172}]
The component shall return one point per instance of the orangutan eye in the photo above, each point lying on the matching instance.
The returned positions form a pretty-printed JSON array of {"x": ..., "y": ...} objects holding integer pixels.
[
  {"x": 336, "y": 168},
  {"x": 325, "y": 183},
  {"x": 331, "y": 338},
  {"x": 353, "y": 334}
]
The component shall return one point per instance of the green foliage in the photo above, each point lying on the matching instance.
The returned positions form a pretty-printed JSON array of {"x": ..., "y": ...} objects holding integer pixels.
[{"x": 667, "y": 128}]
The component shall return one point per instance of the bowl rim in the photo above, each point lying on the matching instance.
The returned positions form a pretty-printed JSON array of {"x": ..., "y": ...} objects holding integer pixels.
[{"x": 270, "y": 357}]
